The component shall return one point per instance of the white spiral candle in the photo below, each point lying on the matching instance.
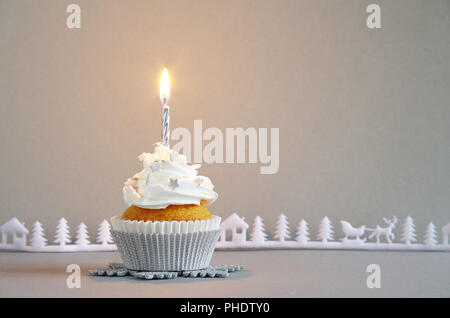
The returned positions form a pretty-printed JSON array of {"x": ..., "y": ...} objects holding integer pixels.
[
  {"x": 165, "y": 125},
  {"x": 164, "y": 92}
]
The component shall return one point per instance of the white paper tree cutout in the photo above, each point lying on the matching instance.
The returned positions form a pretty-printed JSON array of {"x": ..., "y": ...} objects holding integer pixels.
[
  {"x": 62, "y": 233},
  {"x": 325, "y": 230},
  {"x": 258, "y": 235},
  {"x": 282, "y": 228},
  {"x": 82, "y": 235},
  {"x": 104, "y": 234},
  {"x": 409, "y": 231},
  {"x": 302, "y": 232},
  {"x": 430, "y": 235},
  {"x": 38, "y": 239}
]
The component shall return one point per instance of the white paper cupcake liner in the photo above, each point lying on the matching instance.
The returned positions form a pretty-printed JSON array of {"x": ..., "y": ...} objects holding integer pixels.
[
  {"x": 166, "y": 252},
  {"x": 165, "y": 227}
]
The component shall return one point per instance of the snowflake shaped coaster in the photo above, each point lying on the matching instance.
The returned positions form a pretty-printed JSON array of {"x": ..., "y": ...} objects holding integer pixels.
[{"x": 118, "y": 269}]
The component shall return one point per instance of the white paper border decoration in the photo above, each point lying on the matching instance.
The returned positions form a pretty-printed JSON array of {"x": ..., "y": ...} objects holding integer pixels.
[
  {"x": 234, "y": 236},
  {"x": 381, "y": 237},
  {"x": 14, "y": 237}
]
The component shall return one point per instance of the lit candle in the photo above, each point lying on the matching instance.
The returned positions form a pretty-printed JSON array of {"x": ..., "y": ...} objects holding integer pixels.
[{"x": 164, "y": 92}]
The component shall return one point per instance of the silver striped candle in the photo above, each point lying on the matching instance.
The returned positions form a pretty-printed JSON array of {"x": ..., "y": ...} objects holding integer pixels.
[{"x": 165, "y": 125}]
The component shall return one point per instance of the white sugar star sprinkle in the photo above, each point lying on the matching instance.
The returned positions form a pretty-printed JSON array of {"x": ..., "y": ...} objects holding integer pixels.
[{"x": 173, "y": 183}]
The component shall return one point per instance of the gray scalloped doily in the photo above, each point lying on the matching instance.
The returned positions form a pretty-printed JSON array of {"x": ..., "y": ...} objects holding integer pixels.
[{"x": 118, "y": 269}]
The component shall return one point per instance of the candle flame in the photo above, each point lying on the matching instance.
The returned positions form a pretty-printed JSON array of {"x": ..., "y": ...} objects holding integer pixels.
[{"x": 164, "y": 88}]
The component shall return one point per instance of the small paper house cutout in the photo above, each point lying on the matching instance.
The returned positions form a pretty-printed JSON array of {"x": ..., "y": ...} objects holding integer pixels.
[
  {"x": 18, "y": 232},
  {"x": 237, "y": 226}
]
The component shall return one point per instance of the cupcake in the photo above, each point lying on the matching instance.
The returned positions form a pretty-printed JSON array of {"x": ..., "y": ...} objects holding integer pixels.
[{"x": 167, "y": 226}]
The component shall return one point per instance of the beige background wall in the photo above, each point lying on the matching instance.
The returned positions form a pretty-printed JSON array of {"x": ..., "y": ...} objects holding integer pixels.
[{"x": 363, "y": 114}]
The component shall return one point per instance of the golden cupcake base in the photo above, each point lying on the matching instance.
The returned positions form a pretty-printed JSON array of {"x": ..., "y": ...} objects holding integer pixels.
[{"x": 187, "y": 212}]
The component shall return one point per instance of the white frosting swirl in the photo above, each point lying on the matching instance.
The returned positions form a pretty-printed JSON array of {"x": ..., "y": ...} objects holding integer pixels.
[{"x": 166, "y": 180}]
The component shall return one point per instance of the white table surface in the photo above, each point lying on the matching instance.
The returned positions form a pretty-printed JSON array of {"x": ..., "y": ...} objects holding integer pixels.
[{"x": 270, "y": 273}]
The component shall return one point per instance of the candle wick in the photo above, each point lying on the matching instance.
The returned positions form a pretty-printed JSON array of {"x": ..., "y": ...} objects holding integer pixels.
[{"x": 165, "y": 100}]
